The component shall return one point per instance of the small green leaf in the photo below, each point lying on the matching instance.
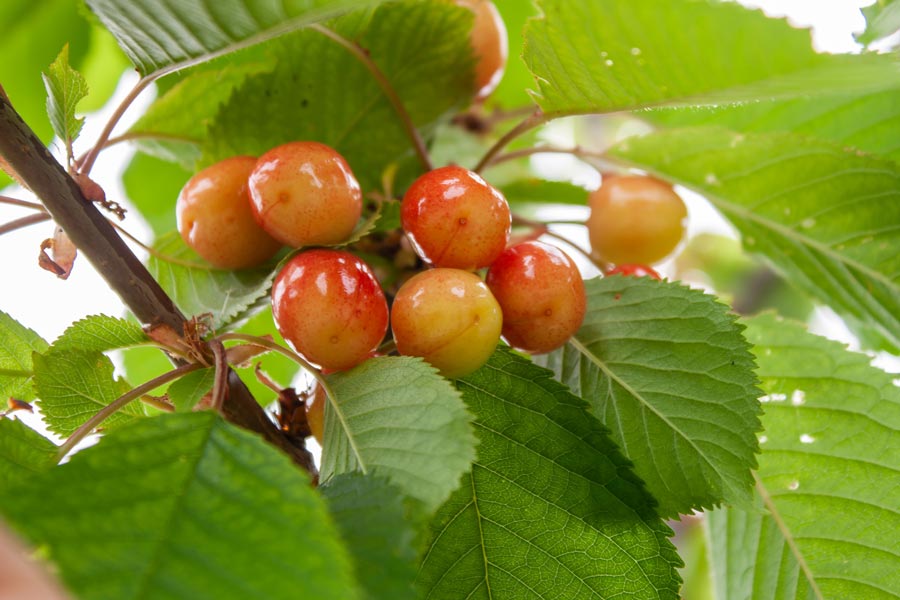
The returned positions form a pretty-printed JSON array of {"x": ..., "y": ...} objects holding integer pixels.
[
  {"x": 23, "y": 452},
  {"x": 376, "y": 528},
  {"x": 829, "y": 477},
  {"x": 17, "y": 343},
  {"x": 551, "y": 508},
  {"x": 541, "y": 191},
  {"x": 185, "y": 507},
  {"x": 99, "y": 333},
  {"x": 73, "y": 385},
  {"x": 667, "y": 370},
  {"x": 825, "y": 215},
  {"x": 402, "y": 420},
  {"x": 882, "y": 20},
  {"x": 65, "y": 89},
  {"x": 190, "y": 389}
]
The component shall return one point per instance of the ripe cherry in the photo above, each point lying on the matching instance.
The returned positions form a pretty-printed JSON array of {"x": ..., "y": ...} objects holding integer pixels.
[
  {"x": 633, "y": 271},
  {"x": 489, "y": 44},
  {"x": 455, "y": 219},
  {"x": 215, "y": 219},
  {"x": 541, "y": 293},
  {"x": 304, "y": 194},
  {"x": 448, "y": 317},
  {"x": 635, "y": 220},
  {"x": 330, "y": 307}
]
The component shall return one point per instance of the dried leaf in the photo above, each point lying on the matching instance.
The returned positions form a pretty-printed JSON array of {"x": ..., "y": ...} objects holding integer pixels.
[{"x": 63, "y": 253}]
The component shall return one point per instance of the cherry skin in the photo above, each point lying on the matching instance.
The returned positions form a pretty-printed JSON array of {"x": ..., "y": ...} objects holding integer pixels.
[
  {"x": 489, "y": 44},
  {"x": 633, "y": 271},
  {"x": 541, "y": 293},
  {"x": 304, "y": 194},
  {"x": 635, "y": 220},
  {"x": 215, "y": 219},
  {"x": 330, "y": 307},
  {"x": 455, "y": 219},
  {"x": 448, "y": 317}
]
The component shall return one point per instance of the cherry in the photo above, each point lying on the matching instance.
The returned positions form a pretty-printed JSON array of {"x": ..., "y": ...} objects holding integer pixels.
[
  {"x": 304, "y": 194},
  {"x": 448, "y": 317},
  {"x": 635, "y": 220},
  {"x": 541, "y": 293},
  {"x": 455, "y": 219},
  {"x": 330, "y": 307},
  {"x": 633, "y": 271},
  {"x": 489, "y": 44},
  {"x": 215, "y": 219},
  {"x": 315, "y": 413}
]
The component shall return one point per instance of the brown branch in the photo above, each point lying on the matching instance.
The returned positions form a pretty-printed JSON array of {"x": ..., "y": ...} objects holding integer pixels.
[
  {"x": 126, "y": 275},
  {"x": 24, "y": 222}
]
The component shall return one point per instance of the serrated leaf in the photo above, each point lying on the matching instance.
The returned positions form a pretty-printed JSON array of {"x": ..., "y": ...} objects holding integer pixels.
[
  {"x": 551, "y": 508},
  {"x": 826, "y": 216},
  {"x": 183, "y": 506},
  {"x": 100, "y": 333},
  {"x": 667, "y": 370},
  {"x": 401, "y": 420},
  {"x": 882, "y": 20},
  {"x": 66, "y": 87},
  {"x": 829, "y": 477},
  {"x": 159, "y": 35},
  {"x": 73, "y": 385},
  {"x": 200, "y": 290},
  {"x": 593, "y": 56},
  {"x": 420, "y": 47},
  {"x": 23, "y": 452},
  {"x": 152, "y": 186},
  {"x": 186, "y": 392},
  {"x": 17, "y": 343},
  {"x": 374, "y": 524}
]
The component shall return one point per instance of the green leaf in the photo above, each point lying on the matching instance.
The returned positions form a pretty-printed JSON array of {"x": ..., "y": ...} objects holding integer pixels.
[
  {"x": 73, "y": 385},
  {"x": 421, "y": 48},
  {"x": 517, "y": 79},
  {"x": 201, "y": 290},
  {"x": 667, "y": 370},
  {"x": 66, "y": 87},
  {"x": 401, "y": 420},
  {"x": 281, "y": 369},
  {"x": 829, "y": 477},
  {"x": 17, "y": 343},
  {"x": 882, "y": 20},
  {"x": 551, "y": 508},
  {"x": 374, "y": 524},
  {"x": 186, "y": 392},
  {"x": 826, "y": 216},
  {"x": 167, "y": 36},
  {"x": 23, "y": 452},
  {"x": 184, "y": 506},
  {"x": 592, "y": 56},
  {"x": 152, "y": 186},
  {"x": 99, "y": 333},
  {"x": 541, "y": 191}
]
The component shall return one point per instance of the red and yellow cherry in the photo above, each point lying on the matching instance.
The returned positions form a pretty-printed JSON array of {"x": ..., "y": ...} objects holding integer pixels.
[
  {"x": 215, "y": 219},
  {"x": 330, "y": 307},
  {"x": 635, "y": 220},
  {"x": 455, "y": 219},
  {"x": 448, "y": 317},
  {"x": 304, "y": 194},
  {"x": 541, "y": 293},
  {"x": 489, "y": 44},
  {"x": 315, "y": 412},
  {"x": 633, "y": 271}
]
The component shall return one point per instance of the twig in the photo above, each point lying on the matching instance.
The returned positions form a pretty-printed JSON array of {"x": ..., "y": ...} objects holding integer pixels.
[
  {"x": 127, "y": 137},
  {"x": 22, "y": 203},
  {"x": 220, "y": 383},
  {"x": 577, "y": 151},
  {"x": 363, "y": 56},
  {"x": 24, "y": 222},
  {"x": 536, "y": 119},
  {"x": 108, "y": 410},
  {"x": 542, "y": 227},
  {"x": 156, "y": 253}
]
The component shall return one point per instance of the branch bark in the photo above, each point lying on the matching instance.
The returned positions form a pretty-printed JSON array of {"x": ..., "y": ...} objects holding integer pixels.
[{"x": 126, "y": 275}]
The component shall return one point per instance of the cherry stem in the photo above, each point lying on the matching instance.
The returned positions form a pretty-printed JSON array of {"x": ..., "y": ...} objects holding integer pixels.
[
  {"x": 275, "y": 347},
  {"x": 22, "y": 203},
  {"x": 363, "y": 56},
  {"x": 543, "y": 228},
  {"x": 85, "y": 167},
  {"x": 220, "y": 383},
  {"x": 24, "y": 222},
  {"x": 535, "y": 119},
  {"x": 118, "y": 404},
  {"x": 127, "y": 137},
  {"x": 577, "y": 151},
  {"x": 156, "y": 253}
]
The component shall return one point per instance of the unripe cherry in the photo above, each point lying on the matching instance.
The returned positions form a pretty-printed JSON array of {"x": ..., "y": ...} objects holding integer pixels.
[
  {"x": 455, "y": 219},
  {"x": 489, "y": 44},
  {"x": 330, "y": 307},
  {"x": 541, "y": 293},
  {"x": 215, "y": 218},
  {"x": 635, "y": 219},
  {"x": 448, "y": 317},
  {"x": 304, "y": 194}
]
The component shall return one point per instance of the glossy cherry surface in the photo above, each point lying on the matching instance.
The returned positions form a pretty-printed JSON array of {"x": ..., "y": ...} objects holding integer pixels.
[{"x": 490, "y": 45}]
